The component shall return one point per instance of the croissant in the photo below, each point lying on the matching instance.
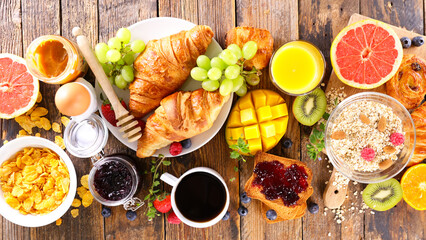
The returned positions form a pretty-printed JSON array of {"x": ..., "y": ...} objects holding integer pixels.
[
  {"x": 180, "y": 116},
  {"x": 408, "y": 85},
  {"x": 164, "y": 66},
  {"x": 419, "y": 118}
]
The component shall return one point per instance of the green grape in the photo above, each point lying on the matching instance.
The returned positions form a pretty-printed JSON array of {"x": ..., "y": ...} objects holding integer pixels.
[
  {"x": 253, "y": 79},
  {"x": 228, "y": 57},
  {"x": 111, "y": 80},
  {"x": 100, "y": 50},
  {"x": 199, "y": 74},
  {"x": 107, "y": 68},
  {"x": 214, "y": 73},
  {"x": 114, "y": 43},
  {"x": 203, "y": 62},
  {"x": 120, "y": 82},
  {"x": 242, "y": 90},
  {"x": 235, "y": 49},
  {"x": 120, "y": 62},
  {"x": 137, "y": 46},
  {"x": 249, "y": 50},
  {"x": 226, "y": 87},
  {"x": 113, "y": 55},
  {"x": 237, "y": 82},
  {"x": 210, "y": 85},
  {"x": 127, "y": 73},
  {"x": 129, "y": 58},
  {"x": 218, "y": 63},
  {"x": 232, "y": 72},
  {"x": 123, "y": 34}
]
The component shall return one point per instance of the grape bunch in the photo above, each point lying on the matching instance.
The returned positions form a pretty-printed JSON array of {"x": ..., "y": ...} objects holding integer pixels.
[
  {"x": 117, "y": 57},
  {"x": 226, "y": 71}
]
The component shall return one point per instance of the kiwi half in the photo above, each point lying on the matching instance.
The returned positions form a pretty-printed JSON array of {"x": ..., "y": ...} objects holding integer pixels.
[
  {"x": 382, "y": 196},
  {"x": 308, "y": 109}
]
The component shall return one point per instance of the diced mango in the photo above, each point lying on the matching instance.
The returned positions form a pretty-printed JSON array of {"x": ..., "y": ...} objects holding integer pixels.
[
  {"x": 248, "y": 116},
  {"x": 245, "y": 102},
  {"x": 234, "y": 119},
  {"x": 267, "y": 129},
  {"x": 255, "y": 145},
  {"x": 272, "y": 98},
  {"x": 279, "y": 111},
  {"x": 268, "y": 143},
  {"x": 251, "y": 132},
  {"x": 232, "y": 142},
  {"x": 280, "y": 125},
  {"x": 228, "y": 133},
  {"x": 237, "y": 133},
  {"x": 264, "y": 113},
  {"x": 259, "y": 98}
]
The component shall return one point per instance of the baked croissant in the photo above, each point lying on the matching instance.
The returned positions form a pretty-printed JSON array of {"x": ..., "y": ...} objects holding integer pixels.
[
  {"x": 164, "y": 66},
  {"x": 180, "y": 116},
  {"x": 419, "y": 118},
  {"x": 408, "y": 85}
]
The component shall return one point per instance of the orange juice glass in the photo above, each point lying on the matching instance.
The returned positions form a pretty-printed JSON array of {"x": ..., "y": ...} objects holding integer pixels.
[{"x": 297, "y": 68}]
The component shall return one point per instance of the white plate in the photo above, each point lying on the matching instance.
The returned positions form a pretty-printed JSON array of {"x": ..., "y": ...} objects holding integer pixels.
[
  {"x": 7, "y": 152},
  {"x": 155, "y": 28}
]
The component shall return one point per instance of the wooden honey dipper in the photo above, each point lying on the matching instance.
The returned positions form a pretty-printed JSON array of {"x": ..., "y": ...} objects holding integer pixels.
[{"x": 125, "y": 120}]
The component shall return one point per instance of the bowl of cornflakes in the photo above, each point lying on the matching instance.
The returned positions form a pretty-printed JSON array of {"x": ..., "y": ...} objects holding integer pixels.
[{"x": 38, "y": 181}]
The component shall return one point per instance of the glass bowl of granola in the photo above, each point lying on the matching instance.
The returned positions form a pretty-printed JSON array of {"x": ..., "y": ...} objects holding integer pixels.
[{"x": 370, "y": 137}]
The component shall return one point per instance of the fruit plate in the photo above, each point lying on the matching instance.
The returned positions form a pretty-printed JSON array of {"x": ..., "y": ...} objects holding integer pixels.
[{"x": 155, "y": 28}]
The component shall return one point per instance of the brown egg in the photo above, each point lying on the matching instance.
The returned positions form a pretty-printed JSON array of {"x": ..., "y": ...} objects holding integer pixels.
[{"x": 72, "y": 99}]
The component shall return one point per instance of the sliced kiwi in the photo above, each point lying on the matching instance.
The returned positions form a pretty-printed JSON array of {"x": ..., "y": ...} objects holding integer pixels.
[
  {"x": 382, "y": 196},
  {"x": 308, "y": 109}
]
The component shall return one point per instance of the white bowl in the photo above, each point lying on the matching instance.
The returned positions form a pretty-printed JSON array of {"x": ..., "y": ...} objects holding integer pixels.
[{"x": 8, "y": 151}]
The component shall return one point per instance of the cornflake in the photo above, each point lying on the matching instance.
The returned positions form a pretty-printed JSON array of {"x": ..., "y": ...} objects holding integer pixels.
[
  {"x": 56, "y": 127},
  {"x": 85, "y": 181},
  {"x": 81, "y": 191},
  {"x": 65, "y": 121},
  {"x": 59, "y": 222},
  {"x": 74, "y": 213},
  {"x": 60, "y": 142},
  {"x": 76, "y": 203},
  {"x": 39, "y": 97},
  {"x": 87, "y": 199}
]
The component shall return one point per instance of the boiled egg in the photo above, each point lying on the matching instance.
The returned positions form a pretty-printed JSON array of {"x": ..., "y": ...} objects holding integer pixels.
[{"x": 72, "y": 99}]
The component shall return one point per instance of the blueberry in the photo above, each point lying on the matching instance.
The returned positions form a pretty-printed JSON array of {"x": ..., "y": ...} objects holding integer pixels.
[
  {"x": 226, "y": 216},
  {"x": 242, "y": 211},
  {"x": 406, "y": 42},
  {"x": 106, "y": 211},
  {"x": 271, "y": 214},
  {"x": 186, "y": 143},
  {"x": 313, "y": 207},
  {"x": 244, "y": 198},
  {"x": 287, "y": 143},
  {"x": 418, "y": 41},
  {"x": 131, "y": 215}
]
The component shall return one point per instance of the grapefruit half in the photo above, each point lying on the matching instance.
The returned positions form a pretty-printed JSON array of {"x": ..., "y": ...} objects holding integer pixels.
[
  {"x": 366, "y": 54},
  {"x": 18, "y": 88}
]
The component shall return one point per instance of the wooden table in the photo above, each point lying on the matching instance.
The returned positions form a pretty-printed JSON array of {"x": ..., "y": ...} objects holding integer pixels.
[{"x": 315, "y": 21}]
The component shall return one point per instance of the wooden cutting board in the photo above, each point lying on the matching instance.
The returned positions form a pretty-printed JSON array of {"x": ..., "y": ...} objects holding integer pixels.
[{"x": 334, "y": 198}]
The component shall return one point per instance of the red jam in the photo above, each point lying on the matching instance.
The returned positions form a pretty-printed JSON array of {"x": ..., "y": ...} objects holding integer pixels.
[{"x": 281, "y": 182}]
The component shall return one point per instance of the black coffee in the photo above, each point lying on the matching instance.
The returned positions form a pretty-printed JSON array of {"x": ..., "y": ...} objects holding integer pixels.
[{"x": 200, "y": 197}]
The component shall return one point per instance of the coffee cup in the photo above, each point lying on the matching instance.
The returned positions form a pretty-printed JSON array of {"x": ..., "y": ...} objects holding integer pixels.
[{"x": 200, "y": 197}]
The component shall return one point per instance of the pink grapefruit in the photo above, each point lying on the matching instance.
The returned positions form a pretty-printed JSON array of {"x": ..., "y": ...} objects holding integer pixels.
[
  {"x": 18, "y": 88},
  {"x": 366, "y": 54}
]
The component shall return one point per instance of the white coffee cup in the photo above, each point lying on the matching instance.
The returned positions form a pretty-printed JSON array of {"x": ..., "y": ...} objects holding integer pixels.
[{"x": 174, "y": 182}]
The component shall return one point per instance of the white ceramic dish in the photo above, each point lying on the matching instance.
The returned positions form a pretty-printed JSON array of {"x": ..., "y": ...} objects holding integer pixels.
[
  {"x": 155, "y": 28},
  {"x": 7, "y": 152}
]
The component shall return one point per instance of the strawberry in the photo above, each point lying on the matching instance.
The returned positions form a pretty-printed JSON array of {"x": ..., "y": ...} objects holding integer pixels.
[
  {"x": 108, "y": 111},
  {"x": 173, "y": 219},
  {"x": 163, "y": 203},
  {"x": 141, "y": 123}
]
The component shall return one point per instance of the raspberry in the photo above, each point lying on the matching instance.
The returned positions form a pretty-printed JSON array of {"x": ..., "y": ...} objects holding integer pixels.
[
  {"x": 397, "y": 139},
  {"x": 175, "y": 148},
  {"x": 368, "y": 154}
]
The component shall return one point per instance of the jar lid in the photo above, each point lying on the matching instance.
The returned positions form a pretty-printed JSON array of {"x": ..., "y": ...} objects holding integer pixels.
[{"x": 86, "y": 137}]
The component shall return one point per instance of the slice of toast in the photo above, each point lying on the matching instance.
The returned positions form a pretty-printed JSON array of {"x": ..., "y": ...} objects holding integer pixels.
[{"x": 283, "y": 212}]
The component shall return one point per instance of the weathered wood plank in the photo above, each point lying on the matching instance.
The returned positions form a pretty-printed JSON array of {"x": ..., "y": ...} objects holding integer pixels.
[
  {"x": 112, "y": 16},
  {"x": 319, "y": 23},
  {"x": 401, "y": 222},
  {"x": 281, "y": 19},
  {"x": 215, "y": 154}
]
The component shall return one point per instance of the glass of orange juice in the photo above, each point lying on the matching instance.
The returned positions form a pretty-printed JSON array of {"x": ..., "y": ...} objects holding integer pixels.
[{"x": 297, "y": 67}]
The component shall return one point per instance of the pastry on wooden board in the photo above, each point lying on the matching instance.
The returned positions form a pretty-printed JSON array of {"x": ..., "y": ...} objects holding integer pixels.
[
  {"x": 284, "y": 212},
  {"x": 419, "y": 118},
  {"x": 180, "y": 115},
  {"x": 164, "y": 66},
  {"x": 263, "y": 38},
  {"x": 408, "y": 85}
]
